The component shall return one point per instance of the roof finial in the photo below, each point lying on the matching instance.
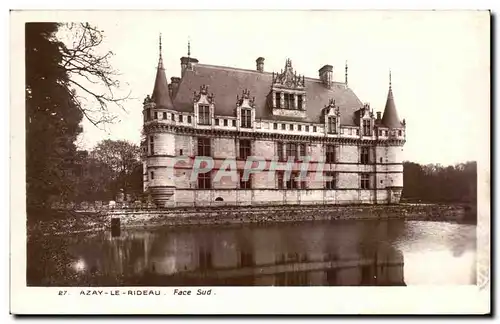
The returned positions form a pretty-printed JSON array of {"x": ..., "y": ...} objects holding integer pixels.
[
  {"x": 346, "y": 84},
  {"x": 160, "y": 61},
  {"x": 189, "y": 46},
  {"x": 390, "y": 79}
]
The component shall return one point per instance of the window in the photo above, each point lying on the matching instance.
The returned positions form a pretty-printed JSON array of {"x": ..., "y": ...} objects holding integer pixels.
[
  {"x": 285, "y": 95},
  {"x": 307, "y": 128},
  {"x": 189, "y": 119},
  {"x": 246, "y": 118},
  {"x": 301, "y": 150},
  {"x": 299, "y": 127},
  {"x": 332, "y": 125},
  {"x": 245, "y": 183},
  {"x": 330, "y": 154},
  {"x": 278, "y": 100},
  {"x": 279, "y": 179},
  {"x": 204, "y": 180},
  {"x": 299, "y": 101},
  {"x": 156, "y": 115},
  {"x": 245, "y": 149},
  {"x": 151, "y": 175},
  {"x": 180, "y": 118},
  {"x": 203, "y": 115},
  {"x": 366, "y": 127},
  {"x": 283, "y": 126},
  {"x": 173, "y": 117},
  {"x": 291, "y": 150},
  {"x": 294, "y": 181},
  {"x": 400, "y": 132},
  {"x": 365, "y": 155},
  {"x": 381, "y": 160},
  {"x": 291, "y": 126},
  {"x": 303, "y": 184},
  {"x": 289, "y": 100},
  {"x": 217, "y": 121},
  {"x": 164, "y": 115},
  {"x": 180, "y": 152},
  {"x": 350, "y": 131},
  {"x": 203, "y": 146},
  {"x": 380, "y": 133},
  {"x": 357, "y": 131},
  {"x": 151, "y": 145},
  {"x": 314, "y": 128},
  {"x": 234, "y": 123},
  {"x": 365, "y": 181},
  {"x": 331, "y": 183},
  {"x": 225, "y": 122},
  {"x": 275, "y": 126},
  {"x": 280, "y": 151}
]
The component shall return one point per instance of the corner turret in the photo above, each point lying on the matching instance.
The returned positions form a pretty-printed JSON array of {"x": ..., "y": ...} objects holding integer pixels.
[
  {"x": 161, "y": 96},
  {"x": 390, "y": 118}
]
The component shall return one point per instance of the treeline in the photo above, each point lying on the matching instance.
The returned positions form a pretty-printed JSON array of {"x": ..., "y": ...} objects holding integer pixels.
[
  {"x": 436, "y": 183},
  {"x": 108, "y": 169}
]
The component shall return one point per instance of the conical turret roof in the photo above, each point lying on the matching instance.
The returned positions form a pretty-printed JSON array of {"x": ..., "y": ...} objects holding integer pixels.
[
  {"x": 161, "y": 95},
  {"x": 390, "y": 118}
]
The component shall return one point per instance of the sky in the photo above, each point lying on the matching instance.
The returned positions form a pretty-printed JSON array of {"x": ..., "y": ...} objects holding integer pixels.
[{"x": 440, "y": 63}]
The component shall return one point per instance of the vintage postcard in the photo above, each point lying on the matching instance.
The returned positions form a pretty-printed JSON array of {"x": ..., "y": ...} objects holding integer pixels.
[{"x": 250, "y": 162}]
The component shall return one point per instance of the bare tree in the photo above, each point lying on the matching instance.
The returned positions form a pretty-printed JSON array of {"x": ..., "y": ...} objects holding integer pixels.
[{"x": 92, "y": 79}]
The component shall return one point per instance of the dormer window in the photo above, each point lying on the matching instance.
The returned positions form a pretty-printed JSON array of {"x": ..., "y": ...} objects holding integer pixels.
[
  {"x": 332, "y": 125},
  {"x": 245, "y": 110},
  {"x": 299, "y": 102},
  {"x": 204, "y": 114},
  {"x": 289, "y": 101},
  {"x": 366, "y": 127},
  {"x": 288, "y": 93},
  {"x": 246, "y": 118},
  {"x": 278, "y": 100}
]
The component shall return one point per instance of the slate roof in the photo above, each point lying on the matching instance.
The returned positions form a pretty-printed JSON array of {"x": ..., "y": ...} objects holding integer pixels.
[
  {"x": 390, "y": 118},
  {"x": 161, "y": 95},
  {"x": 227, "y": 82}
]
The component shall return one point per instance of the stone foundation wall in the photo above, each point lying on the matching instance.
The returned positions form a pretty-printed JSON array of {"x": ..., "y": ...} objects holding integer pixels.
[{"x": 260, "y": 214}]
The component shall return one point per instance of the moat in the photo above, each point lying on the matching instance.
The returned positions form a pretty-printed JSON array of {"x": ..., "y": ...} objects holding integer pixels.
[{"x": 325, "y": 253}]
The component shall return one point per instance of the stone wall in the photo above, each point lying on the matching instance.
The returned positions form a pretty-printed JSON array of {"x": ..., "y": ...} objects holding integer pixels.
[{"x": 261, "y": 214}]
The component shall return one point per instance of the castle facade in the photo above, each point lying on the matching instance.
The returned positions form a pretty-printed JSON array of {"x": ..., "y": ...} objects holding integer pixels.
[{"x": 305, "y": 140}]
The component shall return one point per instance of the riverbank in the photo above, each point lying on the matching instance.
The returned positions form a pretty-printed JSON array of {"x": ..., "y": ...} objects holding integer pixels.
[
  {"x": 63, "y": 222},
  {"x": 277, "y": 214}
]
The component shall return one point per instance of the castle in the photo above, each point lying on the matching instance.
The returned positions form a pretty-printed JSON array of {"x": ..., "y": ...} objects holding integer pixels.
[{"x": 283, "y": 119}]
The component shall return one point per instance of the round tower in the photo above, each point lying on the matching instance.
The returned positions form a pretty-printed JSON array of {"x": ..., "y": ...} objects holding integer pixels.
[
  {"x": 159, "y": 139},
  {"x": 394, "y": 149}
]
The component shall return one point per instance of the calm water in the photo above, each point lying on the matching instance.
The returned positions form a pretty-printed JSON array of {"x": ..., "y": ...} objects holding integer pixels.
[{"x": 338, "y": 253}]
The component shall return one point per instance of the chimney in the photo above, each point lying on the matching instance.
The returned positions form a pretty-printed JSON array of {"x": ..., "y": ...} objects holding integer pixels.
[
  {"x": 379, "y": 115},
  {"x": 326, "y": 75},
  {"x": 187, "y": 63},
  {"x": 175, "y": 85},
  {"x": 170, "y": 90},
  {"x": 260, "y": 64}
]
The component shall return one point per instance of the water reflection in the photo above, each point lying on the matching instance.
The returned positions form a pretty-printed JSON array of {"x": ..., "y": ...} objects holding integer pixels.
[{"x": 340, "y": 253}]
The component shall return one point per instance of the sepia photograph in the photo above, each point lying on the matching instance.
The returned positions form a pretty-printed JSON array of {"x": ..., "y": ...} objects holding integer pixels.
[{"x": 198, "y": 149}]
